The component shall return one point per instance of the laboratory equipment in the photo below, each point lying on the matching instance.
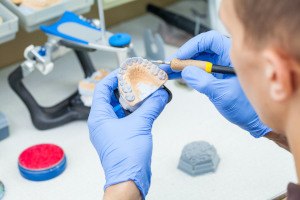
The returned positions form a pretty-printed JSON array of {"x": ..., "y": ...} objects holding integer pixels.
[{"x": 81, "y": 35}]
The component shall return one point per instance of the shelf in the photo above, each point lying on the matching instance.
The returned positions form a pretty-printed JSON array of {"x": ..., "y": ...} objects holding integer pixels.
[
  {"x": 32, "y": 19},
  {"x": 9, "y": 26}
]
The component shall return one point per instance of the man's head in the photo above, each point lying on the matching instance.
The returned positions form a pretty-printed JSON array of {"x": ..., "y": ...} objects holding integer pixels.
[{"x": 266, "y": 54}]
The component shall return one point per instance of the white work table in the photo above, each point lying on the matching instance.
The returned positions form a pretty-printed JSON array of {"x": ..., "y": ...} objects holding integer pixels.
[{"x": 249, "y": 168}]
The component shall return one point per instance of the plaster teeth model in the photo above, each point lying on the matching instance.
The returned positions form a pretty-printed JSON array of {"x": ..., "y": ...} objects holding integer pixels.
[
  {"x": 162, "y": 76},
  {"x": 17, "y": 2},
  {"x": 138, "y": 78},
  {"x": 87, "y": 86},
  {"x": 123, "y": 67}
]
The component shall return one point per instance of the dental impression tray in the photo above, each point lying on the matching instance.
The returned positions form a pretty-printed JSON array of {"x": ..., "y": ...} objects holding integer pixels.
[{"x": 138, "y": 78}]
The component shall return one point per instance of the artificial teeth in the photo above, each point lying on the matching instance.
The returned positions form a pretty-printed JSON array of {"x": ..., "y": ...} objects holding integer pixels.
[
  {"x": 155, "y": 70},
  {"x": 123, "y": 67},
  {"x": 132, "y": 71},
  {"x": 161, "y": 75},
  {"x": 122, "y": 83},
  {"x": 126, "y": 88},
  {"x": 119, "y": 76},
  {"x": 121, "y": 71},
  {"x": 134, "y": 60},
  {"x": 139, "y": 61},
  {"x": 121, "y": 80},
  {"x": 129, "y": 97},
  {"x": 144, "y": 64},
  {"x": 129, "y": 62},
  {"x": 149, "y": 66}
]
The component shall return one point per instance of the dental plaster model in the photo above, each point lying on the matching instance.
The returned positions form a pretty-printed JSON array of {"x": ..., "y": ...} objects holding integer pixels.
[
  {"x": 36, "y": 4},
  {"x": 87, "y": 86},
  {"x": 138, "y": 78},
  {"x": 198, "y": 158},
  {"x": 17, "y": 2}
]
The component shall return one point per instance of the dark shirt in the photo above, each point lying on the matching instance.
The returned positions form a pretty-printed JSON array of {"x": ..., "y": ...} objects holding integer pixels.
[{"x": 293, "y": 192}]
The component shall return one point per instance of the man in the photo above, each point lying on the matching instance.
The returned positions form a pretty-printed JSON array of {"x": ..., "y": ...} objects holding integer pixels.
[{"x": 265, "y": 52}]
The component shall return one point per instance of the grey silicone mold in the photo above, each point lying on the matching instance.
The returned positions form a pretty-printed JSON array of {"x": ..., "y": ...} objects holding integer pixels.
[
  {"x": 9, "y": 27},
  {"x": 198, "y": 158}
]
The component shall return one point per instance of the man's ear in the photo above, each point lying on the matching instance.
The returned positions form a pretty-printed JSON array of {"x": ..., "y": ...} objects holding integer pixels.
[{"x": 279, "y": 74}]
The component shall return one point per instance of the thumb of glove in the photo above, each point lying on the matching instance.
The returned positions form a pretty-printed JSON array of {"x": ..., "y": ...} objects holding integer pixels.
[
  {"x": 153, "y": 106},
  {"x": 199, "y": 80}
]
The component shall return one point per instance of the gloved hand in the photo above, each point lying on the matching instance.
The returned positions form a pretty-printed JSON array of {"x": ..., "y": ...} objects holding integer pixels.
[
  {"x": 224, "y": 91},
  {"x": 124, "y": 145}
]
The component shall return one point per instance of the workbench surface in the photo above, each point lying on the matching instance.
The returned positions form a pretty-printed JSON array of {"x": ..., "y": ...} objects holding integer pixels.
[{"x": 249, "y": 168}]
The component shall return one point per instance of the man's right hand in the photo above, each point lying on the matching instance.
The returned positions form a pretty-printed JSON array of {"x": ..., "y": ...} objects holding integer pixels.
[{"x": 224, "y": 91}]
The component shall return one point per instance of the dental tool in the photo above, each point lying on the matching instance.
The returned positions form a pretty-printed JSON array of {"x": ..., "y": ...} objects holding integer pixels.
[{"x": 179, "y": 65}]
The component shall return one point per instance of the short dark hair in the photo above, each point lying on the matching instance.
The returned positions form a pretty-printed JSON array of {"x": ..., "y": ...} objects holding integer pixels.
[{"x": 268, "y": 21}]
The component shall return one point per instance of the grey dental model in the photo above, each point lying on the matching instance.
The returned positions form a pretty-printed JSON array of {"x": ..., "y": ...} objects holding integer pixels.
[{"x": 198, "y": 158}]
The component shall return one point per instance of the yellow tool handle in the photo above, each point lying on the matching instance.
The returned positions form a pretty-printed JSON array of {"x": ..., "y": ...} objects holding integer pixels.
[{"x": 179, "y": 65}]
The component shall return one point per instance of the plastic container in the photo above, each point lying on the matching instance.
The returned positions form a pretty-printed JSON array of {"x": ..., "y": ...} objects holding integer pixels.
[
  {"x": 42, "y": 162},
  {"x": 4, "y": 132},
  {"x": 9, "y": 27},
  {"x": 32, "y": 20}
]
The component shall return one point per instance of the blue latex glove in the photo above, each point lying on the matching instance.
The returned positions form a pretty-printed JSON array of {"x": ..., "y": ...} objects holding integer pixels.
[
  {"x": 124, "y": 145},
  {"x": 224, "y": 91}
]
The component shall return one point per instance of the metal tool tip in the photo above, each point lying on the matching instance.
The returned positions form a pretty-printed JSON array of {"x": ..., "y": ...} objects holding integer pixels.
[{"x": 159, "y": 62}]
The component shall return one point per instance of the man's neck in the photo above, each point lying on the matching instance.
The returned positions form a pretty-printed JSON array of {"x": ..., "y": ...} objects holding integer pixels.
[{"x": 293, "y": 134}]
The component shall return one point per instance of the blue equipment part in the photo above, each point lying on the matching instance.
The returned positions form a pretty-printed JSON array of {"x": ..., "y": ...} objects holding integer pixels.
[
  {"x": 80, "y": 31},
  {"x": 74, "y": 28},
  {"x": 42, "y": 51},
  {"x": 120, "y": 40},
  {"x": 43, "y": 175}
]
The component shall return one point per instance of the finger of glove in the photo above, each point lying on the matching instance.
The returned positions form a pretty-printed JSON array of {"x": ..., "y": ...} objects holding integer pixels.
[
  {"x": 153, "y": 106},
  {"x": 174, "y": 75},
  {"x": 200, "y": 80},
  {"x": 167, "y": 68},
  {"x": 206, "y": 46},
  {"x": 101, "y": 107},
  {"x": 171, "y": 74}
]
